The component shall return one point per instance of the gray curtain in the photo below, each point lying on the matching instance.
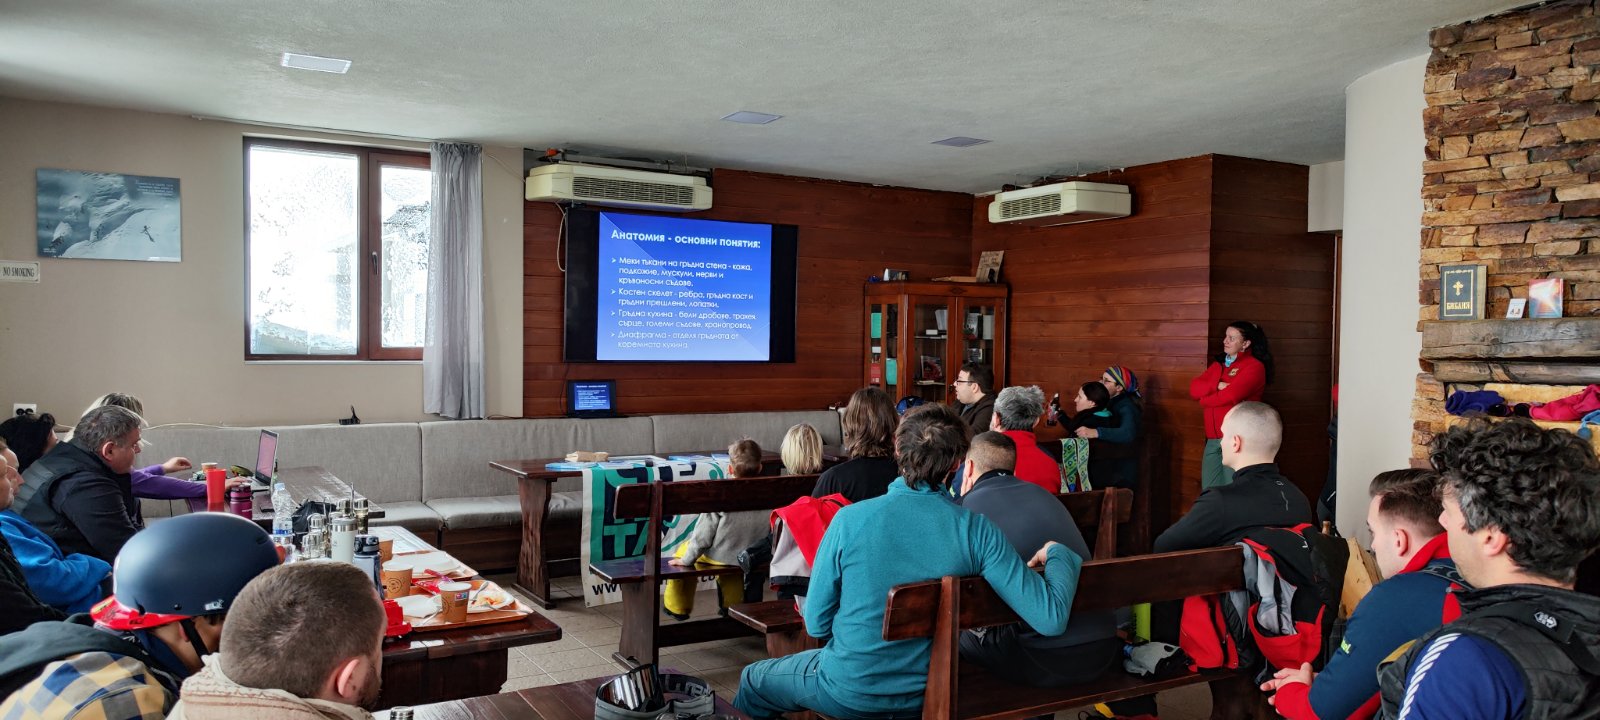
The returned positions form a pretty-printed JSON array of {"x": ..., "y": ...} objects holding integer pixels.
[{"x": 452, "y": 354}]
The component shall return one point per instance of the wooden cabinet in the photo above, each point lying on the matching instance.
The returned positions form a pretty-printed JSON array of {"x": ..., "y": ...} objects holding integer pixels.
[{"x": 919, "y": 334}]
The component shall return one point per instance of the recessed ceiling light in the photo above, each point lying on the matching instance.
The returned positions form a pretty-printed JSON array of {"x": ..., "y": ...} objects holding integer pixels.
[
  {"x": 751, "y": 118},
  {"x": 960, "y": 141},
  {"x": 319, "y": 64}
]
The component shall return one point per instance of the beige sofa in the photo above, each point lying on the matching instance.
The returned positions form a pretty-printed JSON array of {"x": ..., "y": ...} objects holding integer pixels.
[{"x": 434, "y": 479}]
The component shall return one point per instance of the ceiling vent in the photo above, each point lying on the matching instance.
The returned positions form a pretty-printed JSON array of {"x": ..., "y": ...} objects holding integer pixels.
[
  {"x": 1061, "y": 204},
  {"x": 599, "y": 185}
]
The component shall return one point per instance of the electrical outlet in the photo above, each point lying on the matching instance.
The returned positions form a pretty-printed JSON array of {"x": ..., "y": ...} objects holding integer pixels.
[{"x": 19, "y": 408}]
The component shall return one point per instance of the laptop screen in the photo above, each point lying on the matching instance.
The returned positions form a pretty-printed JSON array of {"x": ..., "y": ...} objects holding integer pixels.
[
  {"x": 590, "y": 397},
  {"x": 266, "y": 455}
]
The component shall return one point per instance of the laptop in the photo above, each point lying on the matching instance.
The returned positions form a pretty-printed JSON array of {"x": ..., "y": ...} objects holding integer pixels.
[
  {"x": 592, "y": 398},
  {"x": 266, "y": 461}
]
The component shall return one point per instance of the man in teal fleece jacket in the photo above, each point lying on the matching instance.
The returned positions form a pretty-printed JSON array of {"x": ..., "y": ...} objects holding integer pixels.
[{"x": 912, "y": 534}]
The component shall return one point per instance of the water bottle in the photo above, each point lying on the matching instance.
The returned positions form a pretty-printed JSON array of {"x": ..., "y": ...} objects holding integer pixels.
[
  {"x": 283, "y": 508},
  {"x": 366, "y": 559},
  {"x": 342, "y": 538}
]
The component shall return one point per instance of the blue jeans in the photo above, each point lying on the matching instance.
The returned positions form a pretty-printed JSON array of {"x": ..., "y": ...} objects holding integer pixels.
[{"x": 769, "y": 688}]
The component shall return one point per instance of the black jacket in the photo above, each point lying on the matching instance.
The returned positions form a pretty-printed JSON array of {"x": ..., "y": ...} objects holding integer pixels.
[
  {"x": 21, "y": 607},
  {"x": 978, "y": 414},
  {"x": 1259, "y": 496},
  {"x": 23, "y": 655},
  {"x": 75, "y": 498},
  {"x": 1556, "y": 686},
  {"x": 858, "y": 479}
]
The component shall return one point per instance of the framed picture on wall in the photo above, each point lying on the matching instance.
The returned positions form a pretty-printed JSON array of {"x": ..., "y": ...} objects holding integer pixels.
[{"x": 108, "y": 216}]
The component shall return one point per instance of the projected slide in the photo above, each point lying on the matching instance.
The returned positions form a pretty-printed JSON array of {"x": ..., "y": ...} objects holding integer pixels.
[{"x": 680, "y": 289}]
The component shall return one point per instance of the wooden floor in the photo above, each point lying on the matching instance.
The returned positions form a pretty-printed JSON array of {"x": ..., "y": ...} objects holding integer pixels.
[{"x": 590, "y": 636}]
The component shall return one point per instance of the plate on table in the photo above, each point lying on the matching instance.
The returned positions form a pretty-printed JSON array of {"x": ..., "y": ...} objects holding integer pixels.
[
  {"x": 437, "y": 561},
  {"x": 489, "y": 596},
  {"x": 418, "y": 606}
]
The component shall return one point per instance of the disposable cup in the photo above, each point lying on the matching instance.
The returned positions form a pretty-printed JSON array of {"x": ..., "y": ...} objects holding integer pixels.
[
  {"x": 396, "y": 579},
  {"x": 453, "y": 598}
]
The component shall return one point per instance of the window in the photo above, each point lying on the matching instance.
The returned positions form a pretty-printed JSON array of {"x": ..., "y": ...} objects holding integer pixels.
[{"x": 336, "y": 252}]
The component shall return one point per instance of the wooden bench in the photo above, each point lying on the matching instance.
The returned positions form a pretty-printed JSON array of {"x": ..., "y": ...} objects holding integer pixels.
[
  {"x": 639, "y": 579},
  {"x": 1098, "y": 514},
  {"x": 941, "y": 610}
]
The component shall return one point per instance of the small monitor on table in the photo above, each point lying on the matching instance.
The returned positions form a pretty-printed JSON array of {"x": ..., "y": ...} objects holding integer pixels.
[{"x": 591, "y": 398}]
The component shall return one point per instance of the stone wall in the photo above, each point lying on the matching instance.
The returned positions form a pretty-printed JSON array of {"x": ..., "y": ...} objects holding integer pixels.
[{"x": 1512, "y": 174}]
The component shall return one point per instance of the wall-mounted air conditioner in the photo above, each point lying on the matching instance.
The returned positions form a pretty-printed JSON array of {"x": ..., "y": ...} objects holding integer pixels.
[
  {"x": 599, "y": 185},
  {"x": 1061, "y": 204}
]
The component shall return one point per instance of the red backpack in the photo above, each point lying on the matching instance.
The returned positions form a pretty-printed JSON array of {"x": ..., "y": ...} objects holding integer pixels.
[{"x": 1286, "y": 615}]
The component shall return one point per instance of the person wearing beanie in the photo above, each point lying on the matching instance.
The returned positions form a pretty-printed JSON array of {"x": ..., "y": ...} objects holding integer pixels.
[{"x": 1118, "y": 440}]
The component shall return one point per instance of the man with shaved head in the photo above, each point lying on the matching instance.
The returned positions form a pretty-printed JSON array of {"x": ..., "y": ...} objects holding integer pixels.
[{"x": 1259, "y": 496}]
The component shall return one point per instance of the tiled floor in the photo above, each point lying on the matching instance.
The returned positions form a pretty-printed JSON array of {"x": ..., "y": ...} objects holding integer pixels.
[{"x": 589, "y": 636}]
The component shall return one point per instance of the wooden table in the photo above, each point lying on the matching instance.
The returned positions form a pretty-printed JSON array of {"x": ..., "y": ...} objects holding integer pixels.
[
  {"x": 431, "y": 667},
  {"x": 567, "y": 701},
  {"x": 534, "y": 481}
]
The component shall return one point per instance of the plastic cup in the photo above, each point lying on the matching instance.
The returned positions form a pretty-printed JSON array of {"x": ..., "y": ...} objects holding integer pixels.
[
  {"x": 453, "y": 601},
  {"x": 396, "y": 579},
  {"x": 216, "y": 486}
]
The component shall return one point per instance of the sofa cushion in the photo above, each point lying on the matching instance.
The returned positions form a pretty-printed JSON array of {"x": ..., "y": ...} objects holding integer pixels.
[
  {"x": 467, "y": 513},
  {"x": 713, "y": 431},
  {"x": 411, "y": 515},
  {"x": 381, "y": 460},
  {"x": 456, "y": 453}
]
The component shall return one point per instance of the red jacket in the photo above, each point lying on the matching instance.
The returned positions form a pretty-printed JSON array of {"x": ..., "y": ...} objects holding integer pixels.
[
  {"x": 1035, "y": 465},
  {"x": 1246, "y": 379}
]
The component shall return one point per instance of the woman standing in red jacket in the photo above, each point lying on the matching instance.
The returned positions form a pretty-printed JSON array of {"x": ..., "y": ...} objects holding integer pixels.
[{"x": 1239, "y": 374}]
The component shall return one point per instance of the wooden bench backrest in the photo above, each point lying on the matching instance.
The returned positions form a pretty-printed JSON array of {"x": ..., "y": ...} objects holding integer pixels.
[
  {"x": 914, "y": 609},
  {"x": 686, "y": 497},
  {"x": 941, "y": 610},
  {"x": 1098, "y": 513}
]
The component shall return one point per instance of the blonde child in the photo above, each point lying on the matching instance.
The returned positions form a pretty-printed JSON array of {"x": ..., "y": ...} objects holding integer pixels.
[
  {"x": 801, "y": 450},
  {"x": 717, "y": 540}
]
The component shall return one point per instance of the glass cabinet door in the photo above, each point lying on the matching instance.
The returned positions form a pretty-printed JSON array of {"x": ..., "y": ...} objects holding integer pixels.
[
  {"x": 977, "y": 334},
  {"x": 930, "y": 325},
  {"x": 883, "y": 342}
]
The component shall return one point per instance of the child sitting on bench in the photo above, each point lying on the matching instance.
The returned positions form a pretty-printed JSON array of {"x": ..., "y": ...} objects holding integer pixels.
[{"x": 717, "y": 539}]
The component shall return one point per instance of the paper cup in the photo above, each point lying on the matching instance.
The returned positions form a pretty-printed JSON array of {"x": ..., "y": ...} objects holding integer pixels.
[
  {"x": 396, "y": 579},
  {"x": 385, "y": 550},
  {"x": 453, "y": 601}
]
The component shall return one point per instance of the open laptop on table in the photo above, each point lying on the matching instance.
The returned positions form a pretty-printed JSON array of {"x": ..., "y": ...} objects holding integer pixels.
[{"x": 266, "y": 462}]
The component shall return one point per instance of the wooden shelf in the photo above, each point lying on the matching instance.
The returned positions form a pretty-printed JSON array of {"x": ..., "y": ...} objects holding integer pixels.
[{"x": 1500, "y": 339}]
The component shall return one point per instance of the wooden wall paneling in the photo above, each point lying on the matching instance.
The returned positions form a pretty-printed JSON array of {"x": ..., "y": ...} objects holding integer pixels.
[
  {"x": 1267, "y": 269},
  {"x": 848, "y": 232},
  {"x": 1132, "y": 291}
]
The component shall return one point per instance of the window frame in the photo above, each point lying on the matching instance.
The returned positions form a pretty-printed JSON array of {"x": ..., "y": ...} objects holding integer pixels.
[{"x": 369, "y": 248}]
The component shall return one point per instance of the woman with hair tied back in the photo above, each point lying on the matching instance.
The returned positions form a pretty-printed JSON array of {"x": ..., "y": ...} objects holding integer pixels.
[
  {"x": 30, "y": 436},
  {"x": 1079, "y": 461},
  {"x": 869, "y": 423},
  {"x": 1240, "y": 373}
]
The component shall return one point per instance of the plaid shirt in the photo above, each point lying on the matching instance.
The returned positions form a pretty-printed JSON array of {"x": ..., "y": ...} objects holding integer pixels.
[{"x": 91, "y": 686}]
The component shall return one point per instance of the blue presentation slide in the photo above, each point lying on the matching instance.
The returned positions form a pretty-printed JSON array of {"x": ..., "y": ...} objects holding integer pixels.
[
  {"x": 591, "y": 396},
  {"x": 680, "y": 289}
]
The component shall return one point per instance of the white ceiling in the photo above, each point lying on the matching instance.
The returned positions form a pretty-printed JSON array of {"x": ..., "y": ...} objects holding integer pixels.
[{"x": 1059, "y": 86}]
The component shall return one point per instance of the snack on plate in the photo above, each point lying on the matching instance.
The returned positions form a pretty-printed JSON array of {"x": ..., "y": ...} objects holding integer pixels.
[{"x": 490, "y": 598}]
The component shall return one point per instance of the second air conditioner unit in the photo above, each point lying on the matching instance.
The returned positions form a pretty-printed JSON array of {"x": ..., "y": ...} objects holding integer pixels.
[
  {"x": 1061, "y": 204},
  {"x": 600, "y": 185}
]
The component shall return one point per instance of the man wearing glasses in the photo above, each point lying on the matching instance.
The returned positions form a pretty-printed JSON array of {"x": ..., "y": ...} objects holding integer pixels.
[{"x": 972, "y": 387}]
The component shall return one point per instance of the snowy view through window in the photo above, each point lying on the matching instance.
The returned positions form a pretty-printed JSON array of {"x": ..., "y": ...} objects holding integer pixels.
[
  {"x": 305, "y": 255},
  {"x": 406, "y": 195}
]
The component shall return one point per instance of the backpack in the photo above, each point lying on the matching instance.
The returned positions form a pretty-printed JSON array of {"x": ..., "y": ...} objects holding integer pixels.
[
  {"x": 1294, "y": 580},
  {"x": 797, "y": 530}
]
